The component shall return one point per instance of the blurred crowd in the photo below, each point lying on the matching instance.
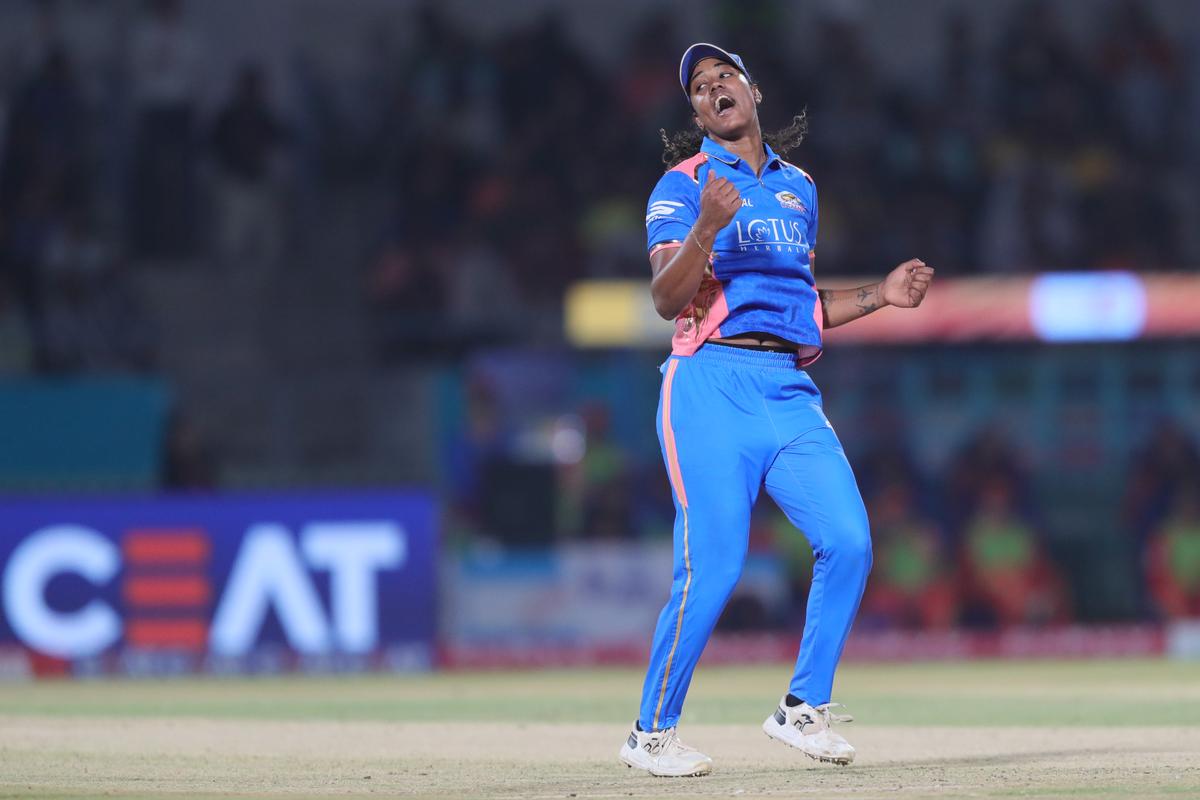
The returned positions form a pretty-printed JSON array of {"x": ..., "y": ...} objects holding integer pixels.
[
  {"x": 483, "y": 177},
  {"x": 501, "y": 170},
  {"x": 971, "y": 544},
  {"x": 102, "y": 150},
  {"x": 1038, "y": 153},
  {"x": 968, "y": 548}
]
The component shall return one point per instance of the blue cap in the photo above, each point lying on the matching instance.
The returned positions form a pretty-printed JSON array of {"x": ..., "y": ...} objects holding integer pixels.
[{"x": 700, "y": 51}]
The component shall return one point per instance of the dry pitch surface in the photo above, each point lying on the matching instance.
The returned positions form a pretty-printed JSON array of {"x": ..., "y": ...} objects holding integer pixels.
[{"x": 1082, "y": 729}]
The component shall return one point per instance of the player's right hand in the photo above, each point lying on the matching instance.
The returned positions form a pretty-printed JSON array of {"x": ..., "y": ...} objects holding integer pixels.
[{"x": 719, "y": 201}]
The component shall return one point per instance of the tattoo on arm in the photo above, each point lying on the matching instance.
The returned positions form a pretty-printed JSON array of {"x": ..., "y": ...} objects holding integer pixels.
[
  {"x": 846, "y": 305},
  {"x": 826, "y": 298},
  {"x": 865, "y": 294}
]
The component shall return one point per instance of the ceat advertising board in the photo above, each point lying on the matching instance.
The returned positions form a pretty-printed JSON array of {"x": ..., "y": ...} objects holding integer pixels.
[{"x": 223, "y": 582}]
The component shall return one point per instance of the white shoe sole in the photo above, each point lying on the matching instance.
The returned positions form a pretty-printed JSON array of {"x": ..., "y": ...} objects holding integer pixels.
[
  {"x": 772, "y": 729},
  {"x": 629, "y": 761}
]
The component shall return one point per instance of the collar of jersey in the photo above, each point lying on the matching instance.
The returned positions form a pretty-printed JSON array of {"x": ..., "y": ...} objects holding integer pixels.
[{"x": 711, "y": 148}]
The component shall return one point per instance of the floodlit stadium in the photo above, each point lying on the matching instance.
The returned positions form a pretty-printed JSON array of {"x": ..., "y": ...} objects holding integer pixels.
[{"x": 628, "y": 399}]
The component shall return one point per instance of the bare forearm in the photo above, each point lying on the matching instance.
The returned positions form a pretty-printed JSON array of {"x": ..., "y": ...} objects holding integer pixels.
[
  {"x": 846, "y": 305},
  {"x": 675, "y": 285}
]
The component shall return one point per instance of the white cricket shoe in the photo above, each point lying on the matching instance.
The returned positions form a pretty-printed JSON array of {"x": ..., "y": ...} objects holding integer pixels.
[
  {"x": 810, "y": 730},
  {"x": 663, "y": 755}
]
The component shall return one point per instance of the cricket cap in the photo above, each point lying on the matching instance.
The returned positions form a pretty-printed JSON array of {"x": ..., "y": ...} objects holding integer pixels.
[{"x": 703, "y": 50}]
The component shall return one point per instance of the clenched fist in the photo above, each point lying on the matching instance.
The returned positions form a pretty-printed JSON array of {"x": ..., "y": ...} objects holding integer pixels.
[
  {"x": 719, "y": 201},
  {"x": 906, "y": 285}
]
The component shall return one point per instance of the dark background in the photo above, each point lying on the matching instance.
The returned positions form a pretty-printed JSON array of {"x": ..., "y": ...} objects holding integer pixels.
[{"x": 297, "y": 245}]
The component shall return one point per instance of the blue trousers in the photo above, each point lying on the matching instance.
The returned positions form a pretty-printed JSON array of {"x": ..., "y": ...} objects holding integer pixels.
[{"x": 731, "y": 420}]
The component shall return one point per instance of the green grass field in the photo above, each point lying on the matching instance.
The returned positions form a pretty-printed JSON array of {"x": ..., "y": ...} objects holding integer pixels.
[{"x": 995, "y": 729}]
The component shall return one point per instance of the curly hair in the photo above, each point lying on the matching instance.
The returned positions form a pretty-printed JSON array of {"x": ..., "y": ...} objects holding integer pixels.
[{"x": 684, "y": 144}]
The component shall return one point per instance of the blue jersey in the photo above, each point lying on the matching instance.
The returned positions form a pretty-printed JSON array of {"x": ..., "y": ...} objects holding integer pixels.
[{"x": 760, "y": 279}]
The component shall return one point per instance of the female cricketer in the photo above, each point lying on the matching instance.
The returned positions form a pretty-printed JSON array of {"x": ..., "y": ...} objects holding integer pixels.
[{"x": 731, "y": 231}]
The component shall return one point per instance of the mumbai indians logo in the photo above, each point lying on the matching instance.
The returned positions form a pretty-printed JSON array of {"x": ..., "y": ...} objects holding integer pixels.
[
  {"x": 789, "y": 200},
  {"x": 661, "y": 208}
]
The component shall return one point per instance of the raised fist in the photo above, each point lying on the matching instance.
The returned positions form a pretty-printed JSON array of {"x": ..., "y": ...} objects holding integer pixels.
[{"x": 719, "y": 201}]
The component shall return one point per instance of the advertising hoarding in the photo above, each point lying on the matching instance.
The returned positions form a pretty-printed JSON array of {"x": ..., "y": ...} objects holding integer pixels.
[{"x": 225, "y": 583}]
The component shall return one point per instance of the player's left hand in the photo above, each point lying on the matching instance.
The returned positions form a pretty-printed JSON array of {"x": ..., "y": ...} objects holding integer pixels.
[{"x": 906, "y": 285}]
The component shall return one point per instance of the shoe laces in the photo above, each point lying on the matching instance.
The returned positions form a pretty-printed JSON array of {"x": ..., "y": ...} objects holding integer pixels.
[
  {"x": 826, "y": 711},
  {"x": 668, "y": 741}
]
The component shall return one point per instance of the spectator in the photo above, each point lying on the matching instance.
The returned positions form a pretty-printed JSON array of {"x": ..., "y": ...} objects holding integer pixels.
[
  {"x": 912, "y": 582},
  {"x": 16, "y": 346},
  {"x": 46, "y": 139},
  {"x": 1035, "y": 64},
  {"x": 648, "y": 84},
  {"x": 1173, "y": 559},
  {"x": 1143, "y": 69},
  {"x": 482, "y": 300},
  {"x": 407, "y": 292},
  {"x": 167, "y": 56},
  {"x": 189, "y": 460},
  {"x": 1008, "y": 578},
  {"x": 94, "y": 322},
  {"x": 43, "y": 174},
  {"x": 771, "y": 530},
  {"x": 1168, "y": 466},
  {"x": 246, "y": 136},
  {"x": 483, "y": 438},
  {"x": 1031, "y": 218},
  {"x": 987, "y": 458},
  {"x": 606, "y": 485},
  {"x": 889, "y": 459}
]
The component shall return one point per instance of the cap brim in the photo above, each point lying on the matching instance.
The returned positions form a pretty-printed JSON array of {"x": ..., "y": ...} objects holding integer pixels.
[{"x": 698, "y": 52}]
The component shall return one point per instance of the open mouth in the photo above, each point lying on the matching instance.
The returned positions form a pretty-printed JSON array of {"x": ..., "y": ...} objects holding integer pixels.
[{"x": 723, "y": 104}]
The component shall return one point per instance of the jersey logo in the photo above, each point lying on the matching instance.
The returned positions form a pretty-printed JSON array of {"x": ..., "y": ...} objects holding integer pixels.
[
  {"x": 661, "y": 208},
  {"x": 771, "y": 233},
  {"x": 789, "y": 200}
]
